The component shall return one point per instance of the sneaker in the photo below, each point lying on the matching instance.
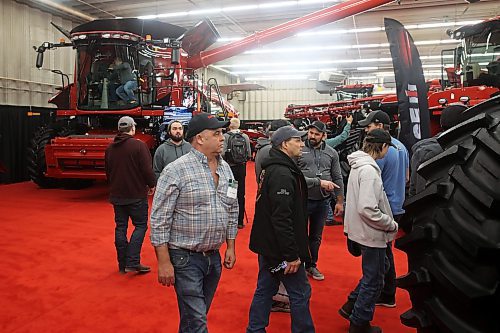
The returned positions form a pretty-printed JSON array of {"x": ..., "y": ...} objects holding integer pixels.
[
  {"x": 346, "y": 309},
  {"x": 139, "y": 269},
  {"x": 388, "y": 302},
  {"x": 315, "y": 273},
  {"x": 280, "y": 307}
]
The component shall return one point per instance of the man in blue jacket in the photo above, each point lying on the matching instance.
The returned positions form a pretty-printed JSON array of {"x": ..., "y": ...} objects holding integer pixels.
[{"x": 395, "y": 174}]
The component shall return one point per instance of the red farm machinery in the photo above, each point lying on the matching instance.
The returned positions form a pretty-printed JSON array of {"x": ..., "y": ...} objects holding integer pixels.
[
  {"x": 164, "y": 58},
  {"x": 471, "y": 75}
]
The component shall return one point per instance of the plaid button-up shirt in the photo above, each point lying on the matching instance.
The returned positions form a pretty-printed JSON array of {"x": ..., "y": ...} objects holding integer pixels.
[{"x": 189, "y": 211}]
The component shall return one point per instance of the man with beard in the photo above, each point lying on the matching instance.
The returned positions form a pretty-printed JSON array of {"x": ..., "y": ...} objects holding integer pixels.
[
  {"x": 172, "y": 149},
  {"x": 321, "y": 168}
]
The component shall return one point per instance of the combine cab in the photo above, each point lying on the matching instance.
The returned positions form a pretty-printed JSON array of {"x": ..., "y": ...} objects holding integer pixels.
[{"x": 164, "y": 59}]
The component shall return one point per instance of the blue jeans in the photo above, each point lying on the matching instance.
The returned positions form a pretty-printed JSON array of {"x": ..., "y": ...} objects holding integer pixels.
[
  {"x": 129, "y": 253},
  {"x": 299, "y": 291},
  {"x": 317, "y": 211},
  {"x": 196, "y": 279},
  {"x": 374, "y": 264},
  {"x": 126, "y": 91}
]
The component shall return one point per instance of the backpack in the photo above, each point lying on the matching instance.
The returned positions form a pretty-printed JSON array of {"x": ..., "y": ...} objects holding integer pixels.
[{"x": 237, "y": 151}]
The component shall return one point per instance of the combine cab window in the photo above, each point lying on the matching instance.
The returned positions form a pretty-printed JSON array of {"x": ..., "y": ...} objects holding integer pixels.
[
  {"x": 98, "y": 81},
  {"x": 482, "y": 59}
]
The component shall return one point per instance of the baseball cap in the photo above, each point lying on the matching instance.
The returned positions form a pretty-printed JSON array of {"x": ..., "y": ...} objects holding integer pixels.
[
  {"x": 278, "y": 123},
  {"x": 285, "y": 133},
  {"x": 379, "y": 136},
  {"x": 125, "y": 122},
  {"x": 377, "y": 117},
  {"x": 203, "y": 121},
  {"x": 319, "y": 125}
]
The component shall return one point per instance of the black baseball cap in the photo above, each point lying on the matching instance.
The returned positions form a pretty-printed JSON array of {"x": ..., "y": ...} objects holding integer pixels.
[
  {"x": 319, "y": 125},
  {"x": 377, "y": 117},
  {"x": 285, "y": 133},
  {"x": 379, "y": 136},
  {"x": 203, "y": 121},
  {"x": 278, "y": 123}
]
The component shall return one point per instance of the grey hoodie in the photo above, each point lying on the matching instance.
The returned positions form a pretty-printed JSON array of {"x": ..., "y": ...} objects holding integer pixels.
[
  {"x": 368, "y": 217},
  {"x": 167, "y": 153}
]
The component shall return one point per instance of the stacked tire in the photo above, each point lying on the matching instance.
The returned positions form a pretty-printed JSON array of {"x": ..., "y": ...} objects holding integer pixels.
[{"x": 452, "y": 229}]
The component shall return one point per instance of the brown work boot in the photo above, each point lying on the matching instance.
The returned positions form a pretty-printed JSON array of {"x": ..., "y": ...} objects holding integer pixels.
[{"x": 366, "y": 328}]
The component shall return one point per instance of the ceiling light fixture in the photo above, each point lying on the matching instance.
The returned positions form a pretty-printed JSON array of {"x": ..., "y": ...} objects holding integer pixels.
[{"x": 203, "y": 12}]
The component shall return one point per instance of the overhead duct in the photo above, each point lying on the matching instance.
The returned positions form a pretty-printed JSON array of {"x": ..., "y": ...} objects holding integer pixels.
[
  {"x": 65, "y": 9},
  {"x": 327, "y": 81}
]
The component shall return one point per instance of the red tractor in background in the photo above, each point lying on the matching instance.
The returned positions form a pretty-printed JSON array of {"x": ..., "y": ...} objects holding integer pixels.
[
  {"x": 473, "y": 78},
  {"x": 164, "y": 58}
]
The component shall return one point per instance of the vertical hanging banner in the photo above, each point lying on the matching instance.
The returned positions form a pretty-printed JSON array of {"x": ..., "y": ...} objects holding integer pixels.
[{"x": 411, "y": 88}]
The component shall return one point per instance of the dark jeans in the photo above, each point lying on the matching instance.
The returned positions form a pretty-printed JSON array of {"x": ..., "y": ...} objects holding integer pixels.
[
  {"x": 299, "y": 291},
  {"x": 240, "y": 173},
  {"x": 374, "y": 264},
  {"x": 389, "y": 290},
  {"x": 129, "y": 252},
  {"x": 196, "y": 279},
  {"x": 317, "y": 210}
]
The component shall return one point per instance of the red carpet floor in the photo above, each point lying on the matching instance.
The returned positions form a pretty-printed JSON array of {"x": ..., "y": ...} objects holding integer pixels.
[{"x": 58, "y": 272}]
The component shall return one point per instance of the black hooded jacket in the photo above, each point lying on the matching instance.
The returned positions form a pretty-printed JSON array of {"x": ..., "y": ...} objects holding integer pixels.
[{"x": 279, "y": 230}]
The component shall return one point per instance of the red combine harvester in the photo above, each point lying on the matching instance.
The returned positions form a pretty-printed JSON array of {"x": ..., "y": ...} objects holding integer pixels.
[{"x": 164, "y": 58}]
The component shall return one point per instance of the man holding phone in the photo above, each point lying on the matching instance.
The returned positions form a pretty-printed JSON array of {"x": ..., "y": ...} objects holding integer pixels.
[{"x": 279, "y": 233}]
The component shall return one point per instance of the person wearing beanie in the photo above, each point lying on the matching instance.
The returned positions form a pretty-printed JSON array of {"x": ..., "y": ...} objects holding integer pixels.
[{"x": 426, "y": 149}]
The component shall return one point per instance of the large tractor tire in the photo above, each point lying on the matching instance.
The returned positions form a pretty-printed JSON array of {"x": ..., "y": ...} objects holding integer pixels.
[
  {"x": 36, "y": 156},
  {"x": 453, "y": 231}
]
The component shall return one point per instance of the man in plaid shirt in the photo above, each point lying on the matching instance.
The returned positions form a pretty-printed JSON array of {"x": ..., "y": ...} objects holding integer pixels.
[{"x": 195, "y": 210}]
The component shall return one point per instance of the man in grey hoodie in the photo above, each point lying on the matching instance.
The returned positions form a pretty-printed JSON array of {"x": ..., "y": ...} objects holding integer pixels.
[
  {"x": 172, "y": 149},
  {"x": 369, "y": 224}
]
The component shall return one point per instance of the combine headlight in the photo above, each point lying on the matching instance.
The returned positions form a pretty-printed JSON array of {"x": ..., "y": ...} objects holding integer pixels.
[
  {"x": 464, "y": 99},
  {"x": 442, "y": 101}
]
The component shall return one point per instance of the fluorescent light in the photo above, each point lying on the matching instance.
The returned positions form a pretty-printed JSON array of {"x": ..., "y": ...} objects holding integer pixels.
[
  {"x": 202, "y": 12},
  {"x": 285, "y": 71},
  {"x": 278, "y": 78},
  {"x": 374, "y": 29},
  {"x": 341, "y": 47},
  {"x": 366, "y": 68},
  {"x": 362, "y": 78},
  {"x": 205, "y": 11}
]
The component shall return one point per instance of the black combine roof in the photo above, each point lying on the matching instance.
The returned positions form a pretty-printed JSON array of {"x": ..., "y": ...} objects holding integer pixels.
[{"x": 157, "y": 29}]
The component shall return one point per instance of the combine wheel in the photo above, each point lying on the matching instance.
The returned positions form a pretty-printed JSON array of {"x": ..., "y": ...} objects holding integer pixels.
[
  {"x": 453, "y": 231},
  {"x": 36, "y": 156}
]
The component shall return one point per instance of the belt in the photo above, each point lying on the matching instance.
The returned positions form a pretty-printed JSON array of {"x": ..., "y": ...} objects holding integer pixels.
[{"x": 203, "y": 253}]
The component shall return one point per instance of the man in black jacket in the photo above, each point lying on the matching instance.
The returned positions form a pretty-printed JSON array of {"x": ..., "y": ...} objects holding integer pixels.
[
  {"x": 130, "y": 175},
  {"x": 279, "y": 233}
]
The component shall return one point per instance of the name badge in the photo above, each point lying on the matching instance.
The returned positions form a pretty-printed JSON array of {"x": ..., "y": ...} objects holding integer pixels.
[{"x": 232, "y": 189}]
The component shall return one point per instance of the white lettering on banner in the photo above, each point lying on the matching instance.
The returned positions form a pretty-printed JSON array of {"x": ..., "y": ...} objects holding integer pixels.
[{"x": 412, "y": 94}]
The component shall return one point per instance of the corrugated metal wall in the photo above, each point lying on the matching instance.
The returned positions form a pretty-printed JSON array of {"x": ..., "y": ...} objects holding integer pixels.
[
  {"x": 272, "y": 102},
  {"x": 21, "y": 28}
]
